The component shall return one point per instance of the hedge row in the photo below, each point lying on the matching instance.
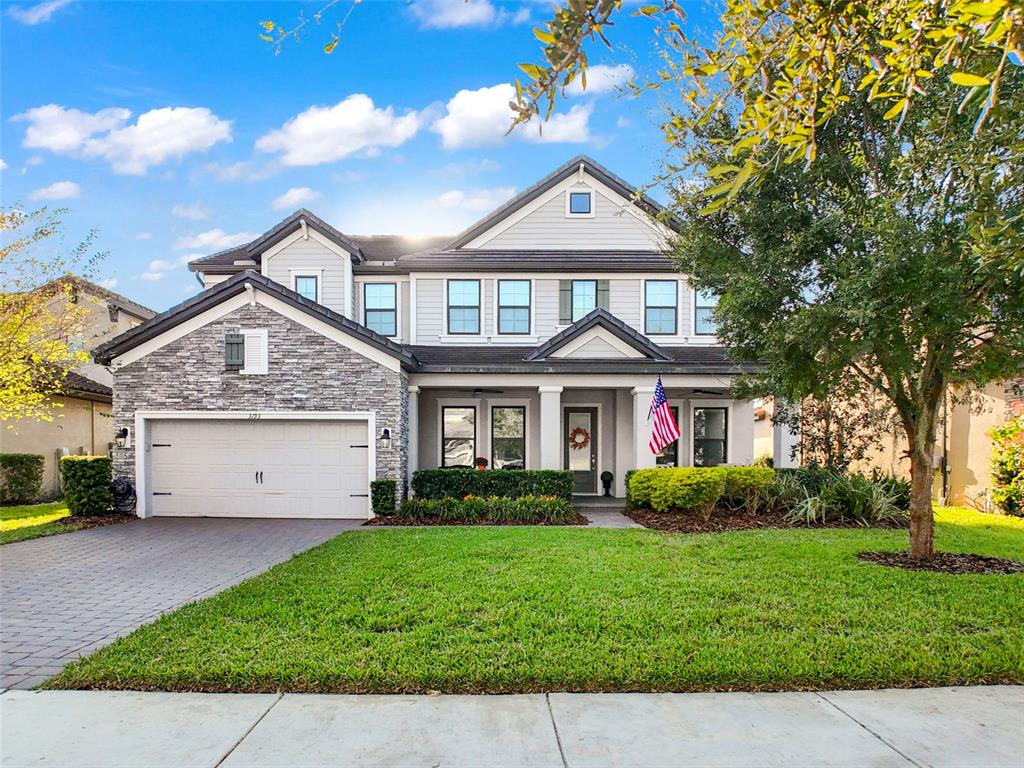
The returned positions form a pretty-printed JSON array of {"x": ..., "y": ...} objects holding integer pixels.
[
  {"x": 494, "y": 509},
  {"x": 511, "y": 483},
  {"x": 21, "y": 477},
  {"x": 86, "y": 481},
  {"x": 383, "y": 494},
  {"x": 696, "y": 489}
]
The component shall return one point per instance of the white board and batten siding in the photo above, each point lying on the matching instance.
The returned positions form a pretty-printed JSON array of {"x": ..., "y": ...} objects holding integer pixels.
[{"x": 263, "y": 468}]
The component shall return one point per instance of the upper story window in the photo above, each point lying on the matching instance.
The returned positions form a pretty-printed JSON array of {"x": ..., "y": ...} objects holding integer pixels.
[
  {"x": 660, "y": 307},
  {"x": 584, "y": 298},
  {"x": 579, "y": 203},
  {"x": 380, "y": 308},
  {"x": 464, "y": 307},
  {"x": 514, "y": 306},
  {"x": 704, "y": 304},
  {"x": 578, "y": 298},
  {"x": 308, "y": 286}
]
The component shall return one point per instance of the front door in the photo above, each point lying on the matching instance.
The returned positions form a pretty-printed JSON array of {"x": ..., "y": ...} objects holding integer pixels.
[{"x": 581, "y": 448}]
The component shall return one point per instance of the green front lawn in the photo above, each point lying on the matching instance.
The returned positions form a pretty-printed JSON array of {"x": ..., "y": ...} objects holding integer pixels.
[
  {"x": 538, "y": 609},
  {"x": 33, "y": 520}
]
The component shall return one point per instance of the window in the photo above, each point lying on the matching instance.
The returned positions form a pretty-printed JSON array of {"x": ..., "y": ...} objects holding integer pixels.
[
  {"x": 703, "y": 309},
  {"x": 580, "y": 204},
  {"x": 584, "y": 298},
  {"x": 709, "y": 431},
  {"x": 380, "y": 308},
  {"x": 464, "y": 307},
  {"x": 508, "y": 437},
  {"x": 307, "y": 286},
  {"x": 669, "y": 456},
  {"x": 458, "y": 436},
  {"x": 514, "y": 306},
  {"x": 660, "y": 306}
]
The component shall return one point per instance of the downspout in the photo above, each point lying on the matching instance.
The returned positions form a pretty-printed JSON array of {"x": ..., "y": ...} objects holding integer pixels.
[{"x": 945, "y": 448}]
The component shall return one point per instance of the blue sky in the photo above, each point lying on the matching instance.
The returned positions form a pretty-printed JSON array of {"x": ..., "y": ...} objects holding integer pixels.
[{"x": 175, "y": 131}]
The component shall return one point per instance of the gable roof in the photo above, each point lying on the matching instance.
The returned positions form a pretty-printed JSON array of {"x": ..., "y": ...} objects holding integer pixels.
[
  {"x": 600, "y": 318},
  {"x": 122, "y": 303},
  {"x": 231, "y": 287},
  {"x": 554, "y": 178},
  {"x": 274, "y": 235},
  {"x": 77, "y": 385}
]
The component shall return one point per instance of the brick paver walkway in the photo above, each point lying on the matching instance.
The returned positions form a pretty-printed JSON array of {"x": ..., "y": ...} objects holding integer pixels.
[{"x": 64, "y": 596}]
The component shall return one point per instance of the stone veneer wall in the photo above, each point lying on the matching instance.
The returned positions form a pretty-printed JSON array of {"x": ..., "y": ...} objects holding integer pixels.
[{"x": 307, "y": 371}]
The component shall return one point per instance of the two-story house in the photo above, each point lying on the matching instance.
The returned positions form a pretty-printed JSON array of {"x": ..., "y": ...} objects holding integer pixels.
[{"x": 315, "y": 361}]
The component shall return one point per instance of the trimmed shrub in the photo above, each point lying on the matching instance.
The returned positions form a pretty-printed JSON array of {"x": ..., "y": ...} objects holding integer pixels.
[
  {"x": 460, "y": 482},
  {"x": 1008, "y": 466},
  {"x": 21, "y": 477},
  {"x": 744, "y": 484},
  {"x": 640, "y": 483},
  {"x": 86, "y": 481},
  {"x": 382, "y": 497},
  {"x": 496, "y": 509},
  {"x": 695, "y": 489}
]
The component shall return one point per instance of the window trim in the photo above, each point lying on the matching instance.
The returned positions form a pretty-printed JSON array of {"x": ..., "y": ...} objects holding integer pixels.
[
  {"x": 674, "y": 308},
  {"x": 572, "y": 297},
  {"x": 697, "y": 306},
  {"x": 443, "y": 405},
  {"x": 498, "y": 306},
  {"x": 264, "y": 368},
  {"x": 580, "y": 191},
  {"x": 398, "y": 329},
  {"x": 316, "y": 274},
  {"x": 723, "y": 405},
  {"x": 479, "y": 306},
  {"x": 516, "y": 403}
]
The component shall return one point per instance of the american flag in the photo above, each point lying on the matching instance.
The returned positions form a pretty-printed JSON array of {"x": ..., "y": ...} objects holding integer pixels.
[{"x": 664, "y": 430}]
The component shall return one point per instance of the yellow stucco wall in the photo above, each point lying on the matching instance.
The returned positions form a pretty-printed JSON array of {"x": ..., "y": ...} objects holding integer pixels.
[{"x": 81, "y": 426}]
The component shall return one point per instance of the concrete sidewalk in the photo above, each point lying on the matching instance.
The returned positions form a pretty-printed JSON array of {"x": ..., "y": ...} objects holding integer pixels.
[{"x": 979, "y": 726}]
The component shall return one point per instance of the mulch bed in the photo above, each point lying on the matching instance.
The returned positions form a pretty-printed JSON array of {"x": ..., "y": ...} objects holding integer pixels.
[
  {"x": 945, "y": 562},
  {"x": 397, "y": 521},
  {"x": 96, "y": 521},
  {"x": 721, "y": 520}
]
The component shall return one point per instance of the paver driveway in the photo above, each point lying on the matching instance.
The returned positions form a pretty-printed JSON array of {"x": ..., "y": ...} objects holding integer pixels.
[{"x": 64, "y": 596}]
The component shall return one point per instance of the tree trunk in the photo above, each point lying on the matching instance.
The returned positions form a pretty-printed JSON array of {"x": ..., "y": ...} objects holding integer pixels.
[{"x": 922, "y": 523}]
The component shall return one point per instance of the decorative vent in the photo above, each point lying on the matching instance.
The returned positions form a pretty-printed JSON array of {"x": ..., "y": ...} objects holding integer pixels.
[{"x": 234, "y": 351}]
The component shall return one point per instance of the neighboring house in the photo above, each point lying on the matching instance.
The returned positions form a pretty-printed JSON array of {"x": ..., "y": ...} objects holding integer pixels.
[
  {"x": 315, "y": 361},
  {"x": 83, "y": 418}
]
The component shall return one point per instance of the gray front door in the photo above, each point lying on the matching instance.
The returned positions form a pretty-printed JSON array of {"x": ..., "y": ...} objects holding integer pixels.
[{"x": 581, "y": 448}]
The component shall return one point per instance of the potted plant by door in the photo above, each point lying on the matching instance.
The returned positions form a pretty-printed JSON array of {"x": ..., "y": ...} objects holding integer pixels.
[
  {"x": 606, "y": 481},
  {"x": 481, "y": 463}
]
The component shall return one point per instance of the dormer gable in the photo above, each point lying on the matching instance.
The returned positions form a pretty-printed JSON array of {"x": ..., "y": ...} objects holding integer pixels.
[{"x": 599, "y": 336}]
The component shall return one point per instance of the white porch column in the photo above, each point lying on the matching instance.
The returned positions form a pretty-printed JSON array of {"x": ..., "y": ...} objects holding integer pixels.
[
  {"x": 623, "y": 440},
  {"x": 784, "y": 441},
  {"x": 642, "y": 456},
  {"x": 550, "y": 427},
  {"x": 413, "y": 435}
]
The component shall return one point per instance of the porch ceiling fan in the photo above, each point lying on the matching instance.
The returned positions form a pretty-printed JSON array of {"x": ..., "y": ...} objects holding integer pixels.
[{"x": 483, "y": 391}]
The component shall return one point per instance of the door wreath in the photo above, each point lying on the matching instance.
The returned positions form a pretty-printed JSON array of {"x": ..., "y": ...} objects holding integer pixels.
[{"x": 579, "y": 439}]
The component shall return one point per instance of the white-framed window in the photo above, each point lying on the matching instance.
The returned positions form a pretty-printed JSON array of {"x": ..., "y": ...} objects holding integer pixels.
[
  {"x": 579, "y": 202},
  {"x": 514, "y": 307},
  {"x": 380, "y": 308},
  {"x": 710, "y": 430},
  {"x": 458, "y": 435},
  {"x": 661, "y": 307},
  {"x": 704, "y": 303},
  {"x": 308, "y": 284},
  {"x": 584, "y": 298},
  {"x": 463, "y": 307},
  {"x": 257, "y": 353},
  {"x": 508, "y": 429}
]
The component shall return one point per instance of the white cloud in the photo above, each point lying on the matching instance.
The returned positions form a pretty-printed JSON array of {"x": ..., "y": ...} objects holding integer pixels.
[
  {"x": 156, "y": 136},
  {"x": 60, "y": 190},
  {"x": 477, "y": 200},
  {"x": 241, "y": 171},
  {"x": 467, "y": 168},
  {"x": 194, "y": 212},
  {"x": 109, "y": 283},
  {"x": 3, "y": 165},
  {"x": 482, "y": 118},
  {"x": 448, "y": 14},
  {"x": 39, "y": 13},
  {"x": 34, "y": 160},
  {"x": 161, "y": 265},
  {"x": 325, "y": 134},
  {"x": 214, "y": 240},
  {"x": 144, "y": 236},
  {"x": 601, "y": 78},
  {"x": 152, "y": 276},
  {"x": 622, "y": 122},
  {"x": 295, "y": 197}
]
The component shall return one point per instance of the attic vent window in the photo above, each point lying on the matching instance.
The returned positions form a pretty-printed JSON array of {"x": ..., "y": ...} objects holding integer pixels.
[{"x": 580, "y": 204}]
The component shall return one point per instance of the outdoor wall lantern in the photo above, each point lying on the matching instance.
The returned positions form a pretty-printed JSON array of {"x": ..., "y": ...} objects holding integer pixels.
[
  {"x": 121, "y": 437},
  {"x": 385, "y": 438}
]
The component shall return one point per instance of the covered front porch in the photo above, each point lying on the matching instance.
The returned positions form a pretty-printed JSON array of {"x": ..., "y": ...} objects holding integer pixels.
[{"x": 587, "y": 423}]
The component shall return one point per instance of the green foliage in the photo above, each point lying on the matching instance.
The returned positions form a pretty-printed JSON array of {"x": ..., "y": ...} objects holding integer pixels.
[
  {"x": 695, "y": 489},
  {"x": 1008, "y": 466},
  {"x": 850, "y": 497},
  {"x": 86, "y": 482},
  {"x": 764, "y": 460},
  {"x": 383, "y": 493},
  {"x": 458, "y": 482},
  {"x": 21, "y": 476},
  {"x": 500, "y": 510}
]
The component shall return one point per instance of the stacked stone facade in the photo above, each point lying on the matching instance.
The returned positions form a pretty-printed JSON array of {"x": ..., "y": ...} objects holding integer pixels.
[{"x": 306, "y": 372}]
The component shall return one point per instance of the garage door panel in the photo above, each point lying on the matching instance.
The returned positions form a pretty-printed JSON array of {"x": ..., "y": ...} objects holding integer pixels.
[{"x": 209, "y": 468}]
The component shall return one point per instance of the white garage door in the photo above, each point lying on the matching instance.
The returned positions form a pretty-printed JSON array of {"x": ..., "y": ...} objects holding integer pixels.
[{"x": 265, "y": 468}]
